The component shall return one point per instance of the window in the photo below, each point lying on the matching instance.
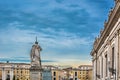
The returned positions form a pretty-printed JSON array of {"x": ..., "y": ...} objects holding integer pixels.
[
  {"x": 75, "y": 78},
  {"x": 87, "y": 72},
  {"x": 87, "y": 77},
  {"x": 75, "y": 73},
  {"x": 83, "y": 72},
  {"x": 54, "y": 78},
  {"x": 54, "y": 74},
  {"x": 106, "y": 63},
  {"x": 112, "y": 60},
  {"x": 21, "y": 72}
]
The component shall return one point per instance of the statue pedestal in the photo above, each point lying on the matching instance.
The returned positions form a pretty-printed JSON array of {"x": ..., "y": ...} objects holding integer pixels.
[{"x": 35, "y": 73}]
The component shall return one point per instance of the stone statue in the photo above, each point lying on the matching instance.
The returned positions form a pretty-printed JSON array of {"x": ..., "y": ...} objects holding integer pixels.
[
  {"x": 36, "y": 67},
  {"x": 35, "y": 54}
]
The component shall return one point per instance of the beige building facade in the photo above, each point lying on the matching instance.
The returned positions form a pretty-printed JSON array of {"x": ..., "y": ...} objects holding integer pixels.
[
  {"x": 85, "y": 72},
  {"x": 106, "y": 50},
  {"x": 14, "y": 71},
  {"x": 21, "y": 71}
]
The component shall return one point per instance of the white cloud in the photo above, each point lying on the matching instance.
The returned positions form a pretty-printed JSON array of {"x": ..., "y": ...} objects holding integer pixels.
[
  {"x": 60, "y": 39},
  {"x": 51, "y": 38}
]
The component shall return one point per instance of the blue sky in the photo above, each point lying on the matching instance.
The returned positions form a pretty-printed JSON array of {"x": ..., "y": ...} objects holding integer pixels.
[{"x": 65, "y": 29}]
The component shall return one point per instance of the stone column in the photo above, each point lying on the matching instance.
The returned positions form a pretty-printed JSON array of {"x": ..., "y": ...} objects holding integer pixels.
[
  {"x": 104, "y": 68},
  {"x": 3, "y": 74},
  {"x": 11, "y": 74},
  {"x": 116, "y": 56},
  {"x": 100, "y": 66},
  {"x": 119, "y": 54},
  {"x": 108, "y": 61},
  {"x": 109, "y": 47},
  {"x": 94, "y": 69}
]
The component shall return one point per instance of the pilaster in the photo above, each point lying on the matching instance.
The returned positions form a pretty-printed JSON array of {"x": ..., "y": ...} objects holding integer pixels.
[
  {"x": 3, "y": 74},
  {"x": 11, "y": 74}
]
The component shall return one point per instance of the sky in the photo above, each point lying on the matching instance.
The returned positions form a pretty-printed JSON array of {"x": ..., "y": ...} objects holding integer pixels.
[{"x": 65, "y": 29}]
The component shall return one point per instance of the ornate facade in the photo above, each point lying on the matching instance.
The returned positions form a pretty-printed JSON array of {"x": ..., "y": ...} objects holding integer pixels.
[
  {"x": 85, "y": 72},
  {"x": 14, "y": 71},
  {"x": 21, "y": 71},
  {"x": 106, "y": 50}
]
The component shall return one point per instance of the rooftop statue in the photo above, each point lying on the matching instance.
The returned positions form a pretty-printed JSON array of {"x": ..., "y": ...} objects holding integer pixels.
[{"x": 35, "y": 54}]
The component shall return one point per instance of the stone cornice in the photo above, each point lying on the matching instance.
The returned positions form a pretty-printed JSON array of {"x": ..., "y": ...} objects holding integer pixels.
[
  {"x": 117, "y": 1},
  {"x": 113, "y": 18}
]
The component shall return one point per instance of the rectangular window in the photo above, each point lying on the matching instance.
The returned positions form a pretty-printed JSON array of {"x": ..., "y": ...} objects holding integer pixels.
[
  {"x": 75, "y": 78},
  {"x": 113, "y": 60},
  {"x": 54, "y": 74},
  {"x": 54, "y": 78},
  {"x": 75, "y": 73},
  {"x": 106, "y": 64},
  {"x": 87, "y": 72}
]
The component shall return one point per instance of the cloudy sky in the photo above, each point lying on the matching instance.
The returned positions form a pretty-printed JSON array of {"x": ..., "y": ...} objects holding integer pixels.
[{"x": 65, "y": 29}]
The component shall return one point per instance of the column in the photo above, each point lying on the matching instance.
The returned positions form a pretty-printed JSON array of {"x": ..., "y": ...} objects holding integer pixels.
[
  {"x": 94, "y": 69},
  {"x": 108, "y": 63},
  {"x": 3, "y": 74},
  {"x": 100, "y": 66},
  {"x": 11, "y": 74},
  {"x": 109, "y": 52},
  {"x": 119, "y": 52},
  {"x": 116, "y": 56},
  {"x": 104, "y": 68}
]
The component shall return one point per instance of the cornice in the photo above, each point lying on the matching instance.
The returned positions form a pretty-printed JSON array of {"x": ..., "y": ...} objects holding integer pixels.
[
  {"x": 113, "y": 18},
  {"x": 117, "y": 1}
]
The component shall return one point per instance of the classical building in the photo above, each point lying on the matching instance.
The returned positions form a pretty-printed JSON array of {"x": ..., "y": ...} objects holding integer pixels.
[
  {"x": 14, "y": 71},
  {"x": 85, "y": 72},
  {"x": 56, "y": 74},
  {"x": 61, "y": 73},
  {"x": 106, "y": 49},
  {"x": 21, "y": 71}
]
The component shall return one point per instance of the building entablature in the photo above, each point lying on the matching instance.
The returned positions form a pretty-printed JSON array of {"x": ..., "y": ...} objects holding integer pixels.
[
  {"x": 116, "y": 1},
  {"x": 113, "y": 18}
]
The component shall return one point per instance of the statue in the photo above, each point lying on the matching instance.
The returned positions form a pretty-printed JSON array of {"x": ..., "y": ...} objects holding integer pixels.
[
  {"x": 35, "y": 54},
  {"x": 36, "y": 67}
]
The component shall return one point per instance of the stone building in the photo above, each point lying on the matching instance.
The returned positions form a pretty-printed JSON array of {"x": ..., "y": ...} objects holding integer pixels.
[
  {"x": 55, "y": 74},
  {"x": 21, "y": 71},
  {"x": 106, "y": 49},
  {"x": 85, "y": 72},
  {"x": 14, "y": 71}
]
